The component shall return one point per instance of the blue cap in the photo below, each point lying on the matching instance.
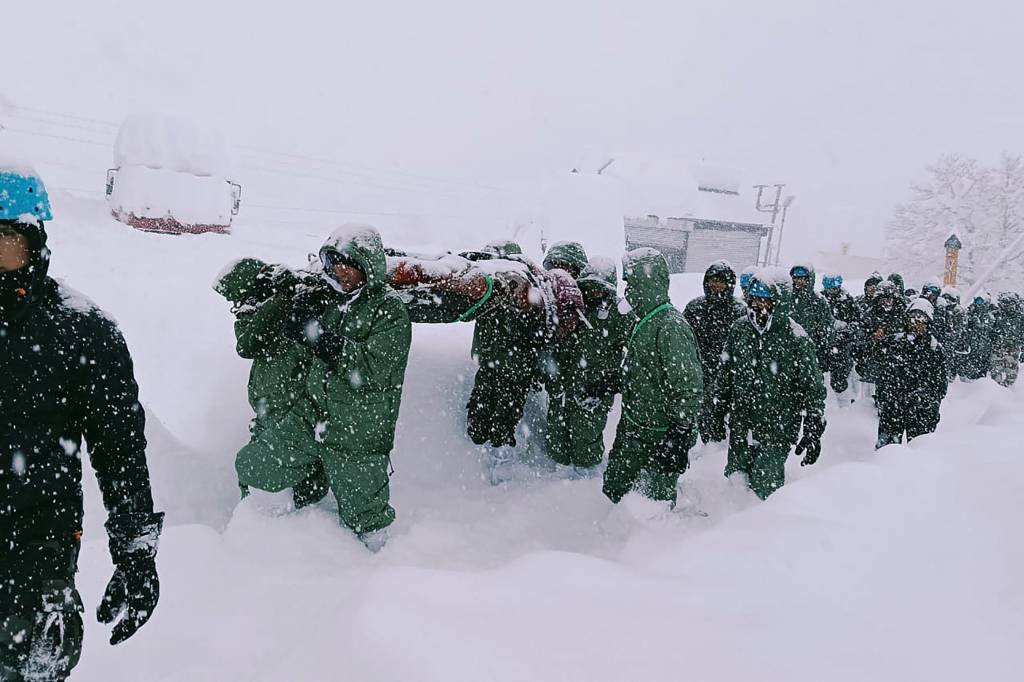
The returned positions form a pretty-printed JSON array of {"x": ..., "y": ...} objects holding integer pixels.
[
  {"x": 745, "y": 278},
  {"x": 799, "y": 271},
  {"x": 831, "y": 281},
  {"x": 759, "y": 289},
  {"x": 22, "y": 194},
  {"x": 979, "y": 299},
  {"x": 931, "y": 290}
]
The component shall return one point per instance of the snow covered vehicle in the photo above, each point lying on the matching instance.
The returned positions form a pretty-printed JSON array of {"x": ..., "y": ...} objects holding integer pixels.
[{"x": 170, "y": 176}]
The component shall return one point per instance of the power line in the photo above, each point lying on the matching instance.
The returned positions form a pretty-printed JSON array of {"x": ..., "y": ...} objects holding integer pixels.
[
  {"x": 380, "y": 213},
  {"x": 66, "y": 138},
  {"x": 47, "y": 112},
  {"x": 416, "y": 176},
  {"x": 43, "y": 121}
]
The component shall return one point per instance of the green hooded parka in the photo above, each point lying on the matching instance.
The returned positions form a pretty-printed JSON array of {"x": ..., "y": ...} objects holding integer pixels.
[
  {"x": 346, "y": 418},
  {"x": 662, "y": 385},
  {"x": 586, "y": 375}
]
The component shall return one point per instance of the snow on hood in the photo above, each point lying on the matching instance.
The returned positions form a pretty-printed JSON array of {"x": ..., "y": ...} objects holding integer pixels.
[
  {"x": 922, "y": 305},
  {"x": 362, "y": 243}
]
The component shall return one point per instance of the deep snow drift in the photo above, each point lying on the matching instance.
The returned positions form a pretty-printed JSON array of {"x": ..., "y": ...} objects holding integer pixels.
[{"x": 901, "y": 564}]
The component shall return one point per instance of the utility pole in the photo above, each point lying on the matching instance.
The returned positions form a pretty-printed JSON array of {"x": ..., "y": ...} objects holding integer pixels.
[
  {"x": 782, "y": 225},
  {"x": 774, "y": 207}
]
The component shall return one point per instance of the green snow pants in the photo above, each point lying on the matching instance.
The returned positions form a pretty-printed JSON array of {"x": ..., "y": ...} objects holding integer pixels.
[
  {"x": 763, "y": 463},
  {"x": 575, "y": 428},
  {"x": 287, "y": 452},
  {"x": 636, "y": 463},
  {"x": 40, "y": 611}
]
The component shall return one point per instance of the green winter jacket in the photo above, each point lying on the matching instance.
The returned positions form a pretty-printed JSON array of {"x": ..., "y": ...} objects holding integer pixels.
[
  {"x": 504, "y": 336},
  {"x": 812, "y": 312},
  {"x": 662, "y": 376},
  {"x": 569, "y": 256},
  {"x": 769, "y": 381},
  {"x": 591, "y": 358},
  {"x": 279, "y": 365},
  {"x": 357, "y": 385}
]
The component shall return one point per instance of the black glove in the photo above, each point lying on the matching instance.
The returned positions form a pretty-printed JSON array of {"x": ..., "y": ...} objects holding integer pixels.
[
  {"x": 675, "y": 449},
  {"x": 134, "y": 589},
  {"x": 329, "y": 346},
  {"x": 814, "y": 427},
  {"x": 307, "y": 307}
]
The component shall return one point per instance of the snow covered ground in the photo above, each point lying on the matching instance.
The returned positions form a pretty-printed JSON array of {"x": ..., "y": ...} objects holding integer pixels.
[{"x": 903, "y": 564}]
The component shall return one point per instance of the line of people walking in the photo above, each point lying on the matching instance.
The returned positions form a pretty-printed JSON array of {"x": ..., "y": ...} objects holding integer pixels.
[{"x": 329, "y": 345}]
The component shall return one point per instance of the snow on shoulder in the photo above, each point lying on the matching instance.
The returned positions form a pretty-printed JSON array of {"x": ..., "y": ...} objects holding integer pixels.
[
  {"x": 922, "y": 305},
  {"x": 79, "y": 302}
]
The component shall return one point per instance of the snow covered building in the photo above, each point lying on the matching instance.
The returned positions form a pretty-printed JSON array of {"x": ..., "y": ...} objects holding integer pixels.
[
  {"x": 690, "y": 244},
  {"x": 714, "y": 221},
  {"x": 170, "y": 176}
]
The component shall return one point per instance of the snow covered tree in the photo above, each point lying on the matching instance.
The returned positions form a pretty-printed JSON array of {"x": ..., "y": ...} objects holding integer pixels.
[{"x": 984, "y": 207}]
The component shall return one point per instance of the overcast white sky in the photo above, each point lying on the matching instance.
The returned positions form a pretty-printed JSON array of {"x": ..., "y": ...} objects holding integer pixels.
[{"x": 844, "y": 101}]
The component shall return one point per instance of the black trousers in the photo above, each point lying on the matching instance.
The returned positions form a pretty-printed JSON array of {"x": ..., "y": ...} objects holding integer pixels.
[
  {"x": 915, "y": 420},
  {"x": 40, "y": 610}
]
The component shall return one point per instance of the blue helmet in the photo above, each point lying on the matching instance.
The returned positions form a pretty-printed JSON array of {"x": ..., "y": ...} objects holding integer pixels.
[
  {"x": 832, "y": 282},
  {"x": 22, "y": 194},
  {"x": 759, "y": 289},
  {"x": 799, "y": 271}
]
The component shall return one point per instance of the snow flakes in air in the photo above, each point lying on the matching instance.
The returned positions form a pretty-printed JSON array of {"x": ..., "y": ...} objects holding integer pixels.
[{"x": 18, "y": 463}]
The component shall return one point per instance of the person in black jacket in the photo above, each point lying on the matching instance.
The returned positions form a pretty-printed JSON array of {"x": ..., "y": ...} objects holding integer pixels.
[
  {"x": 912, "y": 379},
  {"x": 712, "y": 315},
  {"x": 979, "y": 337},
  {"x": 884, "y": 317},
  {"x": 846, "y": 322},
  {"x": 66, "y": 376}
]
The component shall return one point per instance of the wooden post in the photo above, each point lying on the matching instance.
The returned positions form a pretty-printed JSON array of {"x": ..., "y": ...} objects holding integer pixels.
[{"x": 953, "y": 247}]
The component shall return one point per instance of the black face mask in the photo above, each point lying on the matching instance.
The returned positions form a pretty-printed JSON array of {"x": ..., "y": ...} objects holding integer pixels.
[{"x": 16, "y": 292}]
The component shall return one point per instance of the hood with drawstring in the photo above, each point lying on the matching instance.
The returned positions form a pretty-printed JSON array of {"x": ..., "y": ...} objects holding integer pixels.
[
  {"x": 720, "y": 269},
  {"x": 647, "y": 279},
  {"x": 360, "y": 245},
  {"x": 21, "y": 288}
]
